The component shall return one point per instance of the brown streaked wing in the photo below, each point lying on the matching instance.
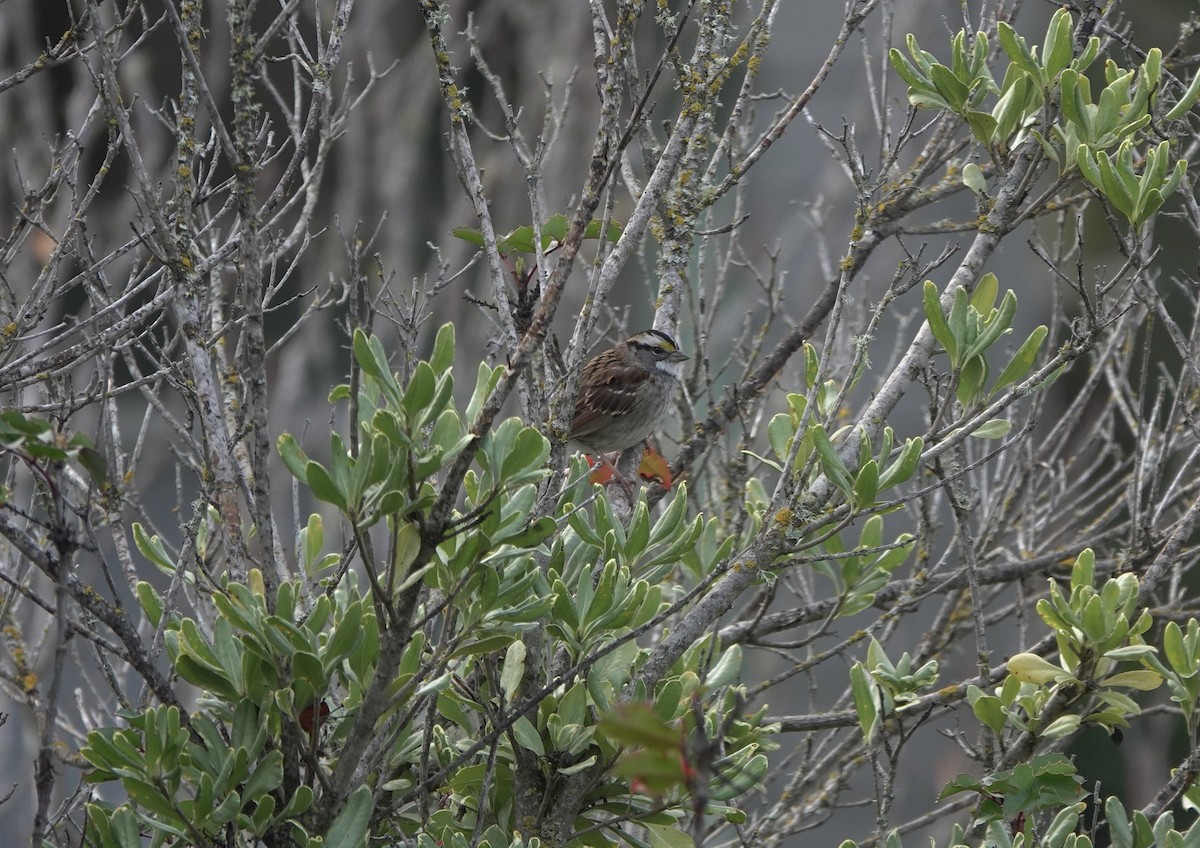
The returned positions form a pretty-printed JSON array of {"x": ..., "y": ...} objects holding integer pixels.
[{"x": 601, "y": 402}]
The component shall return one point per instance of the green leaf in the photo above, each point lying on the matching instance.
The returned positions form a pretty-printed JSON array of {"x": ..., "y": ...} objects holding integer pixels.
[
  {"x": 147, "y": 796},
  {"x": 1090, "y": 51},
  {"x": 1083, "y": 570},
  {"x": 1187, "y": 101},
  {"x": 529, "y": 451},
  {"x": 438, "y": 684},
  {"x": 528, "y": 737},
  {"x": 50, "y": 453},
  {"x": 909, "y": 72},
  {"x": 1010, "y": 110},
  {"x": 1064, "y": 725},
  {"x": 229, "y": 651},
  {"x": 812, "y": 367},
  {"x": 346, "y": 637},
  {"x": 1129, "y": 652},
  {"x": 198, "y": 674},
  {"x": 312, "y": 540},
  {"x": 999, "y": 324},
  {"x": 151, "y": 603},
  {"x": 831, "y": 464},
  {"x": 1023, "y": 360},
  {"x": 513, "y": 670},
  {"x": 996, "y": 428},
  {"x": 1030, "y": 668},
  {"x": 1057, "y": 48},
  {"x": 780, "y": 432},
  {"x": 984, "y": 296},
  {"x": 904, "y": 466},
  {"x": 322, "y": 485},
  {"x": 531, "y": 536},
  {"x": 1075, "y": 90},
  {"x": 419, "y": 393},
  {"x": 983, "y": 127},
  {"x": 865, "y": 706},
  {"x": 987, "y": 708},
  {"x": 15, "y": 428},
  {"x": 592, "y": 230},
  {"x": 1014, "y": 45},
  {"x": 124, "y": 825},
  {"x": 468, "y": 234},
  {"x": 970, "y": 381},
  {"x": 937, "y": 321},
  {"x": 1108, "y": 113},
  {"x": 1119, "y": 830},
  {"x": 520, "y": 240},
  {"x": 866, "y": 485},
  {"x": 572, "y": 707},
  {"x": 639, "y": 724},
  {"x": 974, "y": 180},
  {"x": 1086, "y": 161},
  {"x": 950, "y": 87},
  {"x": 372, "y": 359},
  {"x": 1175, "y": 650},
  {"x": 152, "y": 548},
  {"x": 1096, "y": 624},
  {"x": 1118, "y": 183},
  {"x": 667, "y": 836},
  {"x": 1050, "y": 150},
  {"x": 1142, "y": 680},
  {"x": 90, "y": 459},
  {"x": 349, "y": 829},
  {"x": 965, "y": 324},
  {"x": 1149, "y": 83},
  {"x": 442, "y": 358},
  {"x": 726, "y": 669},
  {"x": 673, "y": 517},
  {"x": 267, "y": 775}
]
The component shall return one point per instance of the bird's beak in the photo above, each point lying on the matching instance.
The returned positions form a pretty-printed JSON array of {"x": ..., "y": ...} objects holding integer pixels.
[{"x": 677, "y": 356}]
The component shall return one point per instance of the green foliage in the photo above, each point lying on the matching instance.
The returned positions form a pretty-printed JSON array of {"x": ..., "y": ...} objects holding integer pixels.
[
  {"x": 664, "y": 754},
  {"x": 1097, "y": 629},
  {"x": 1048, "y": 97},
  {"x": 225, "y": 767},
  {"x": 1047, "y": 781},
  {"x": 1135, "y": 196},
  {"x": 971, "y": 328},
  {"x": 1011, "y": 800},
  {"x": 878, "y": 471},
  {"x": 1098, "y": 626},
  {"x": 521, "y": 239},
  {"x": 37, "y": 442},
  {"x": 858, "y": 574},
  {"x": 803, "y": 446},
  {"x": 1111, "y": 141},
  {"x": 459, "y": 644},
  {"x": 1182, "y": 669},
  {"x": 284, "y": 677},
  {"x": 881, "y": 688}
]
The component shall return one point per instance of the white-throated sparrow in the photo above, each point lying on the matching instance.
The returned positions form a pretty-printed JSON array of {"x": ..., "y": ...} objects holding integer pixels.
[{"x": 626, "y": 392}]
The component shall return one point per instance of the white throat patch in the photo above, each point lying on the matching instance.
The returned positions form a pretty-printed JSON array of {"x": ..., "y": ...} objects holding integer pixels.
[{"x": 675, "y": 369}]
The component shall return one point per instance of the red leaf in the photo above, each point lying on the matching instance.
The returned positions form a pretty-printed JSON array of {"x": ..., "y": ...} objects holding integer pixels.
[{"x": 311, "y": 715}]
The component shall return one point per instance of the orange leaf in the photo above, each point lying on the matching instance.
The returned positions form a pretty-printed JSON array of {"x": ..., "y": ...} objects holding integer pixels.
[
  {"x": 654, "y": 466},
  {"x": 602, "y": 472}
]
